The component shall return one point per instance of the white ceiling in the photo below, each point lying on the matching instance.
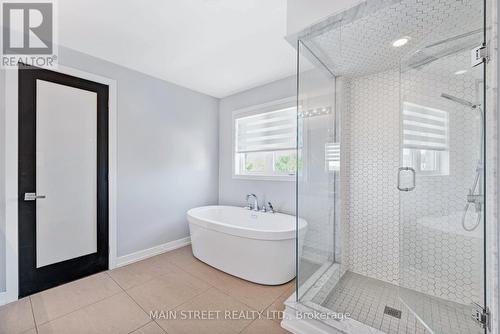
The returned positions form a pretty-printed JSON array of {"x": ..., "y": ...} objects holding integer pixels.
[{"x": 217, "y": 47}]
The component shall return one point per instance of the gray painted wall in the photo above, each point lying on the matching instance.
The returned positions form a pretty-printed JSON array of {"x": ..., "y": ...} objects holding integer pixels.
[
  {"x": 167, "y": 155},
  {"x": 233, "y": 191}
]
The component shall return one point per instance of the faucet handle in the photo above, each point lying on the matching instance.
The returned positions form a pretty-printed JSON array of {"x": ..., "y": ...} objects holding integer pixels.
[{"x": 270, "y": 206}]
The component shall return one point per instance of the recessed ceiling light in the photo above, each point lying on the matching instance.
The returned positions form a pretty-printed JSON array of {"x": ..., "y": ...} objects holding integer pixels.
[
  {"x": 400, "y": 42},
  {"x": 460, "y": 72}
]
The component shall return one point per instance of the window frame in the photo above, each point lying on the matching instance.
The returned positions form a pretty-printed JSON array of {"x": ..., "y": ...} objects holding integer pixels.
[
  {"x": 442, "y": 156},
  {"x": 254, "y": 110},
  {"x": 442, "y": 162}
]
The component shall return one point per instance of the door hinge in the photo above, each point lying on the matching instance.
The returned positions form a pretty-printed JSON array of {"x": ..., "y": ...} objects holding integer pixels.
[
  {"x": 479, "y": 55},
  {"x": 481, "y": 315}
]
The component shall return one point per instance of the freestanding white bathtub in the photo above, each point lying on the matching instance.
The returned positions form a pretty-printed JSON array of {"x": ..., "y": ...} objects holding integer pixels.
[{"x": 256, "y": 246}]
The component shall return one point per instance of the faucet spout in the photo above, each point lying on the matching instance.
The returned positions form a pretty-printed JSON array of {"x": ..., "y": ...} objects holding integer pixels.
[{"x": 255, "y": 203}]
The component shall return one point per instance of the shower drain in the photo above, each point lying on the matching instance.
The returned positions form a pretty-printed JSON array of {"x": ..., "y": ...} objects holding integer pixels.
[{"x": 392, "y": 312}]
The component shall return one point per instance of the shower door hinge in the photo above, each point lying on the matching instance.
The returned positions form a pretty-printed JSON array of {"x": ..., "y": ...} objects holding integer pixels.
[
  {"x": 479, "y": 55},
  {"x": 481, "y": 315}
]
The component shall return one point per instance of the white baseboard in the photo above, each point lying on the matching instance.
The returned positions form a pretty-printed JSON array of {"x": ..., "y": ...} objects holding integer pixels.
[
  {"x": 144, "y": 254},
  {"x": 3, "y": 298}
]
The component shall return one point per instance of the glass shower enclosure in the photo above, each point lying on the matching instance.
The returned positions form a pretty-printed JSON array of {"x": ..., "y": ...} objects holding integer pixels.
[{"x": 391, "y": 168}]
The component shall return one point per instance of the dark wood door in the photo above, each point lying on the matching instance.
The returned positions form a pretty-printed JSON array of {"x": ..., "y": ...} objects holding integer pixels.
[{"x": 63, "y": 137}]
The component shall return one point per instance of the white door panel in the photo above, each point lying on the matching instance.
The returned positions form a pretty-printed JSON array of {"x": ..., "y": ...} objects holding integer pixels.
[{"x": 66, "y": 160}]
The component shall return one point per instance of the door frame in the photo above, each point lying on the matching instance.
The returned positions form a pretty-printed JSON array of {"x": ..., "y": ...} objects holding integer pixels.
[{"x": 11, "y": 173}]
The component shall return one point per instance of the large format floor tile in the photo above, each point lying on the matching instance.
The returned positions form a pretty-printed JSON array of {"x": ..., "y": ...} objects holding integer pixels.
[
  {"x": 120, "y": 301},
  {"x": 16, "y": 317},
  {"x": 205, "y": 272},
  {"x": 254, "y": 295},
  {"x": 150, "y": 328},
  {"x": 211, "y": 300},
  {"x": 115, "y": 315},
  {"x": 142, "y": 271},
  {"x": 276, "y": 309},
  {"x": 261, "y": 326},
  {"x": 180, "y": 257},
  {"x": 30, "y": 331},
  {"x": 168, "y": 291},
  {"x": 64, "y": 299}
]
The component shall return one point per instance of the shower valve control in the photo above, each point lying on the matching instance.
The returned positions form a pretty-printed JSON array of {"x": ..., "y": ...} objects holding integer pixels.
[
  {"x": 479, "y": 55},
  {"x": 476, "y": 199}
]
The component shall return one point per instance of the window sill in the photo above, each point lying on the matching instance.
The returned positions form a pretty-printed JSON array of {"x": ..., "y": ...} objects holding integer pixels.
[
  {"x": 264, "y": 178},
  {"x": 431, "y": 174}
]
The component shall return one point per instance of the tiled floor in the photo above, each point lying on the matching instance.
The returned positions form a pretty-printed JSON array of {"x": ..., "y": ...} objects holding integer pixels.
[
  {"x": 365, "y": 299},
  {"x": 120, "y": 301}
]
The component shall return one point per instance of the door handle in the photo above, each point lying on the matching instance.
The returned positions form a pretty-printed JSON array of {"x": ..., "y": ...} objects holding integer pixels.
[
  {"x": 401, "y": 169},
  {"x": 32, "y": 196}
]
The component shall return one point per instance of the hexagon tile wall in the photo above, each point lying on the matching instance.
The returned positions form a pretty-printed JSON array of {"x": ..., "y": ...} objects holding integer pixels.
[{"x": 415, "y": 240}]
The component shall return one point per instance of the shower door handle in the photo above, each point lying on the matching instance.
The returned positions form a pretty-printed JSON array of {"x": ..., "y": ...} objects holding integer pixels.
[{"x": 412, "y": 171}]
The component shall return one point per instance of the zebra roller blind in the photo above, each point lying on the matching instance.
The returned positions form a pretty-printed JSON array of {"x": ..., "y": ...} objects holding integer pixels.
[
  {"x": 269, "y": 131},
  {"x": 332, "y": 156},
  {"x": 424, "y": 128},
  {"x": 332, "y": 152}
]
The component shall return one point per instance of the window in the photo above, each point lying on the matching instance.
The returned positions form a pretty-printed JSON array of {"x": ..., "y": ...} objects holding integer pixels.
[
  {"x": 425, "y": 139},
  {"x": 265, "y": 142},
  {"x": 332, "y": 157}
]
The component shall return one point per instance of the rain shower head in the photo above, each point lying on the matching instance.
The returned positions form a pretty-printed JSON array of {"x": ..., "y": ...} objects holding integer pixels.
[
  {"x": 459, "y": 100},
  {"x": 444, "y": 48}
]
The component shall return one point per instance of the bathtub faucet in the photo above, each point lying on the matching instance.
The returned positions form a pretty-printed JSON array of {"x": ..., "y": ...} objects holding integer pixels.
[
  {"x": 270, "y": 207},
  {"x": 255, "y": 205}
]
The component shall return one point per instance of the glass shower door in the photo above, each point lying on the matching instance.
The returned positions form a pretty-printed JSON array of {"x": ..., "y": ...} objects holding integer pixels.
[
  {"x": 317, "y": 184},
  {"x": 441, "y": 183}
]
